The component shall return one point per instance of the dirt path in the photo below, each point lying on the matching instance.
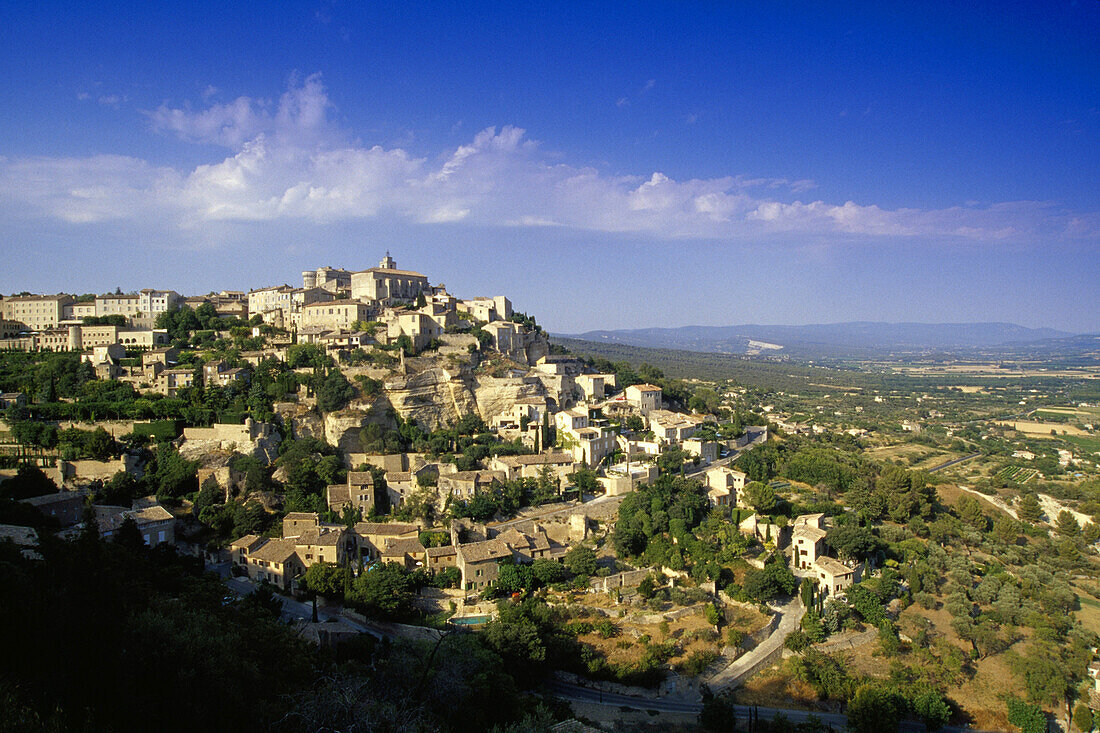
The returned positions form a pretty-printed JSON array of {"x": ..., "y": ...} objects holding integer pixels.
[
  {"x": 994, "y": 500},
  {"x": 1052, "y": 508}
]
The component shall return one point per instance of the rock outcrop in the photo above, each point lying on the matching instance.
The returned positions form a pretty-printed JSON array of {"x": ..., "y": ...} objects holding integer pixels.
[{"x": 496, "y": 395}]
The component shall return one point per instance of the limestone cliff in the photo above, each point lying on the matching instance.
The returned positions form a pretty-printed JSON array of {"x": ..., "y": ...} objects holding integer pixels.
[
  {"x": 433, "y": 398},
  {"x": 495, "y": 395}
]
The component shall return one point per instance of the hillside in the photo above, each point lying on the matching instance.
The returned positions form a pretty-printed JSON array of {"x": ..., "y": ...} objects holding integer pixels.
[{"x": 836, "y": 340}]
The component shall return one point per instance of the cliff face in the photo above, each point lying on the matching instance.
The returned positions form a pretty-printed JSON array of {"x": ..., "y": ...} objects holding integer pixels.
[
  {"x": 265, "y": 449},
  {"x": 433, "y": 397},
  {"x": 495, "y": 395},
  {"x": 434, "y": 390}
]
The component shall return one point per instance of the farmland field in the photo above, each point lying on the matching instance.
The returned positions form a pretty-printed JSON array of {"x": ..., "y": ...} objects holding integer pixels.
[
  {"x": 1018, "y": 474},
  {"x": 1034, "y": 427}
]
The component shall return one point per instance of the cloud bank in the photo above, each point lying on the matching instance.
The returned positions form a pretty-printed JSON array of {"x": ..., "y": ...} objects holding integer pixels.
[{"x": 288, "y": 160}]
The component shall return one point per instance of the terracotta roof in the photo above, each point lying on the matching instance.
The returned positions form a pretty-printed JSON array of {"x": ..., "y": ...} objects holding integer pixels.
[
  {"x": 275, "y": 551},
  {"x": 410, "y": 546},
  {"x": 325, "y": 538},
  {"x": 479, "y": 476},
  {"x": 482, "y": 551},
  {"x": 445, "y": 551},
  {"x": 388, "y": 529},
  {"x": 832, "y": 567},
  {"x": 809, "y": 532},
  {"x": 302, "y": 516},
  {"x": 246, "y": 542},
  {"x": 646, "y": 387},
  {"x": 338, "y": 494},
  {"x": 54, "y": 498},
  {"x": 360, "y": 478},
  {"x": 22, "y": 536}
]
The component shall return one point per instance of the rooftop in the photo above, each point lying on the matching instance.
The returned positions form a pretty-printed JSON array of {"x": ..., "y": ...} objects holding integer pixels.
[
  {"x": 278, "y": 551},
  {"x": 482, "y": 551},
  {"x": 832, "y": 567},
  {"x": 388, "y": 529}
]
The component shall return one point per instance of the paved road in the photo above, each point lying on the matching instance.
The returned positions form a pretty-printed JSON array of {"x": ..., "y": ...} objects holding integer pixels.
[
  {"x": 956, "y": 461},
  {"x": 837, "y": 721},
  {"x": 790, "y": 614}
]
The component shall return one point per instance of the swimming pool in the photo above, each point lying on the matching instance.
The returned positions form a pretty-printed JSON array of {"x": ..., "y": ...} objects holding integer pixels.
[{"x": 469, "y": 620}]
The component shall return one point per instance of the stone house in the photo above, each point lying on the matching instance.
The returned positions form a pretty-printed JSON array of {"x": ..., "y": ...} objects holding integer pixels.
[
  {"x": 337, "y": 315},
  {"x": 358, "y": 492},
  {"x": 373, "y": 536},
  {"x": 170, "y": 381},
  {"x": 67, "y": 507},
  {"x": 560, "y": 463},
  {"x": 706, "y": 450},
  {"x": 277, "y": 562},
  {"x": 807, "y": 544},
  {"x": 478, "y": 562},
  {"x": 155, "y": 523},
  {"x": 726, "y": 482},
  {"x": 464, "y": 484},
  {"x": 386, "y": 282},
  {"x": 295, "y": 523},
  {"x": 591, "y": 445},
  {"x": 440, "y": 557},
  {"x": 408, "y": 552},
  {"x": 334, "y": 545},
  {"x": 644, "y": 397},
  {"x": 834, "y": 577},
  {"x": 242, "y": 547}
]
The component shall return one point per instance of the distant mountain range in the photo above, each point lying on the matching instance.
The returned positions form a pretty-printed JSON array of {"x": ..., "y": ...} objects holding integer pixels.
[{"x": 860, "y": 339}]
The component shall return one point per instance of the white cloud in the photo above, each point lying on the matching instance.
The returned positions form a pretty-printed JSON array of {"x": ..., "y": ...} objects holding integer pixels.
[
  {"x": 289, "y": 162},
  {"x": 300, "y": 115}
]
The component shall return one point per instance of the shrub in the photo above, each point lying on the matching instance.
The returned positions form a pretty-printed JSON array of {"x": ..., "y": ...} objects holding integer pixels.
[
  {"x": 697, "y": 662},
  {"x": 796, "y": 641}
]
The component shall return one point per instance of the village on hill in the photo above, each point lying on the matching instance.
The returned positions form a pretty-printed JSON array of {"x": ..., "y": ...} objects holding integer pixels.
[{"x": 375, "y": 457}]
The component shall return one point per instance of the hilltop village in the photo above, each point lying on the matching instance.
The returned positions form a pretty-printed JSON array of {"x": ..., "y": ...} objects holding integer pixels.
[
  {"x": 375, "y": 368},
  {"x": 368, "y": 459}
]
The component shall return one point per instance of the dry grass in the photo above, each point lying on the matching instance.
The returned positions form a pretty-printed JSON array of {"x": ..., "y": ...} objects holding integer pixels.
[
  {"x": 982, "y": 696},
  {"x": 1041, "y": 429},
  {"x": 773, "y": 687},
  {"x": 626, "y": 648},
  {"x": 950, "y": 494},
  {"x": 1089, "y": 613}
]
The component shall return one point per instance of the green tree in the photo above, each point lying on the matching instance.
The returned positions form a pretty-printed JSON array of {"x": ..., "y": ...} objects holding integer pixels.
[
  {"x": 129, "y": 536},
  {"x": 1066, "y": 525},
  {"x": 1028, "y": 508},
  {"x": 931, "y": 707},
  {"x": 581, "y": 560},
  {"x": 327, "y": 579},
  {"x": 761, "y": 497},
  {"x": 672, "y": 459},
  {"x": 335, "y": 392},
  {"x": 383, "y": 591},
  {"x": 1028, "y": 718},
  {"x": 1083, "y": 718},
  {"x": 27, "y": 482},
  {"x": 852, "y": 541},
  {"x": 875, "y": 709},
  {"x": 970, "y": 511}
]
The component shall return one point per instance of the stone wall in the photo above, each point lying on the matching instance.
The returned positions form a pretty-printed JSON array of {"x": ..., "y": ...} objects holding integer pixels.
[
  {"x": 90, "y": 470},
  {"x": 627, "y": 579}
]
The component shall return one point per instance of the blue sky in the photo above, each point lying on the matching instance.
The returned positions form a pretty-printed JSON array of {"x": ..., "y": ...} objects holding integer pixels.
[{"x": 605, "y": 165}]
